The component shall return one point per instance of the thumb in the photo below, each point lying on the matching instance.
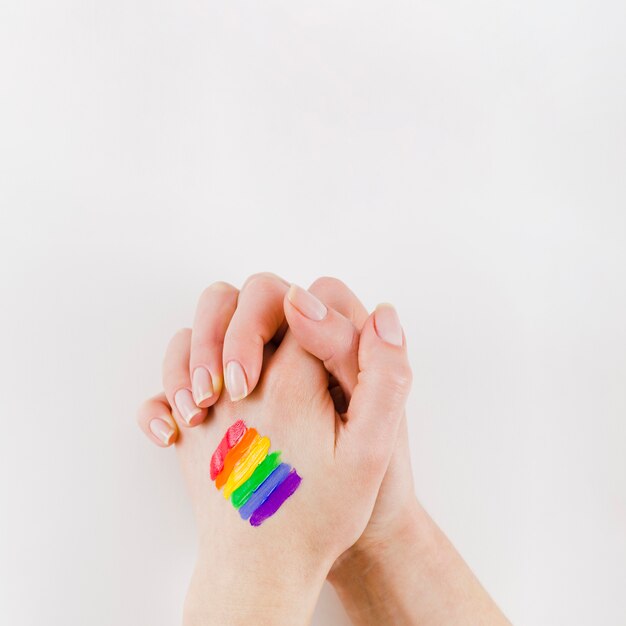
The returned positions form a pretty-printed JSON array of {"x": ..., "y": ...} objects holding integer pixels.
[{"x": 379, "y": 398}]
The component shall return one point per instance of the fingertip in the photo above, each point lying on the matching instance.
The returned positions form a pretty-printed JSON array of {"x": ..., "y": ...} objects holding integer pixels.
[
  {"x": 161, "y": 432},
  {"x": 236, "y": 380},
  {"x": 205, "y": 387},
  {"x": 214, "y": 312},
  {"x": 306, "y": 303},
  {"x": 155, "y": 420},
  {"x": 258, "y": 318},
  {"x": 383, "y": 326},
  {"x": 383, "y": 347},
  {"x": 191, "y": 414},
  {"x": 387, "y": 324}
]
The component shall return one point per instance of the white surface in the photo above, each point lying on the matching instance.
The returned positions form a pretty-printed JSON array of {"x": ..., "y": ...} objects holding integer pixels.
[{"x": 463, "y": 160}]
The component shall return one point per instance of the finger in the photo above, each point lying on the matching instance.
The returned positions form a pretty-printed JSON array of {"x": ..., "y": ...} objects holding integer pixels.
[
  {"x": 324, "y": 333},
  {"x": 335, "y": 294},
  {"x": 155, "y": 419},
  {"x": 379, "y": 398},
  {"x": 215, "y": 309},
  {"x": 333, "y": 340},
  {"x": 176, "y": 381},
  {"x": 258, "y": 317}
]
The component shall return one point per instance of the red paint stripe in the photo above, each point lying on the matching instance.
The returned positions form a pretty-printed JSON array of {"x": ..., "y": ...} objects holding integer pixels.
[
  {"x": 230, "y": 439},
  {"x": 234, "y": 455}
]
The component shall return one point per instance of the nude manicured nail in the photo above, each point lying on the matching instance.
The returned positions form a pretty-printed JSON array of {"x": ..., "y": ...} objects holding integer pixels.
[
  {"x": 235, "y": 380},
  {"x": 201, "y": 384},
  {"x": 306, "y": 303},
  {"x": 185, "y": 405},
  {"x": 387, "y": 324},
  {"x": 161, "y": 430}
]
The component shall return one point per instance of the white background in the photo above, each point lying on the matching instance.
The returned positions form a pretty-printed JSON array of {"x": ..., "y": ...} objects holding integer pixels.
[{"x": 466, "y": 161}]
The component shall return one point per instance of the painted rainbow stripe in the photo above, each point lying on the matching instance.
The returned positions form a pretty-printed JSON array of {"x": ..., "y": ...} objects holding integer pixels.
[{"x": 255, "y": 480}]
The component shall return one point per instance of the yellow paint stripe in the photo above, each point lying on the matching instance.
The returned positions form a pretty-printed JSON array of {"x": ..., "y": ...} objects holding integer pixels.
[{"x": 245, "y": 466}]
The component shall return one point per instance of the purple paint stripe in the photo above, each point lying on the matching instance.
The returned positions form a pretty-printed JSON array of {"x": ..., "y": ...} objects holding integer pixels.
[
  {"x": 262, "y": 492},
  {"x": 276, "y": 498}
]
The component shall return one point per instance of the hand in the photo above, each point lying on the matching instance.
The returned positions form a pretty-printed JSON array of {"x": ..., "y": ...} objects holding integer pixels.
[
  {"x": 232, "y": 328},
  {"x": 242, "y": 325},
  {"x": 340, "y": 462}
]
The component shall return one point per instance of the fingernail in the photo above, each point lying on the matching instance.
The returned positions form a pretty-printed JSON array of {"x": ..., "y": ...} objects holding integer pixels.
[
  {"x": 185, "y": 405},
  {"x": 306, "y": 303},
  {"x": 201, "y": 385},
  {"x": 235, "y": 380},
  {"x": 387, "y": 324},
  {"x": 161, "y": 430}
]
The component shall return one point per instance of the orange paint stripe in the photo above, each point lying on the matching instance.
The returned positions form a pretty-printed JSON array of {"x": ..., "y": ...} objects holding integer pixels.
[{"x": 234, "y": 454}]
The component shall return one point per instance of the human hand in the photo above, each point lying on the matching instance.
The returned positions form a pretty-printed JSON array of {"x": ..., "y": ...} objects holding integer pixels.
[
  {"x": 339, "y": 461},
  {"x": 232, "y": 329}
]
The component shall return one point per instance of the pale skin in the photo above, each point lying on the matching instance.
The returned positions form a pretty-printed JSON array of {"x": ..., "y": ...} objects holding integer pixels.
[{"x": 328, "y": 383}]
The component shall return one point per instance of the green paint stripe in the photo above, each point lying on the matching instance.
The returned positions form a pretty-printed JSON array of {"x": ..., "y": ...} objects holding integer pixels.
[{"x": 263, "y": 470}]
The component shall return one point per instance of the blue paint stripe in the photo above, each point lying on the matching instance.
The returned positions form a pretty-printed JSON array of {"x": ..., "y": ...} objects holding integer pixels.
[{"x": 262, "y": 492}]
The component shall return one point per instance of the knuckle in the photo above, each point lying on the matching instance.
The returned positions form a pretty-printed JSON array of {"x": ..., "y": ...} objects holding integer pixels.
[
  {"x": 216, "y": 288},
  {"x": 395, "y": 380},
  {"x": 327, "y": 285},
  {"x": 203, "y": 345},
  {"x": 404, "y": 377},
  {"x": 344, "y": 348},
  {"x": 350, "y": 345},
  {"x": 242, "y": 338},
  {"x": 181, "y": 334},
  {"x": 263, "y": 281}
]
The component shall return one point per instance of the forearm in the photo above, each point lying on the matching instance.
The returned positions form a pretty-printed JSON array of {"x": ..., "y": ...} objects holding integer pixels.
[{"x": 417, "y": 578}]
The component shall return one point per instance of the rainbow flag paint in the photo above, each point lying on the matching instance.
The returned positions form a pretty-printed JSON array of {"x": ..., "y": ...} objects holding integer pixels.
[{"x": 255, "y": 479}]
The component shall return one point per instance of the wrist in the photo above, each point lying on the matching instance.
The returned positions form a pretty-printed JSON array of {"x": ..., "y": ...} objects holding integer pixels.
[
  {"x": 381, "y": 547},
  {"x": 378, "y": 574},
  {"x": 415, "y": 576},
  {"x": 255, "y": 588}
]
